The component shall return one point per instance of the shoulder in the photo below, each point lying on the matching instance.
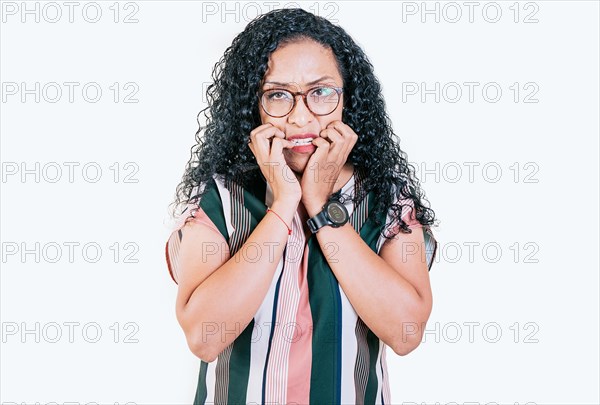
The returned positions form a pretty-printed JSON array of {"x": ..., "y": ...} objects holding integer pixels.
[{"x": 199, "y": 222}]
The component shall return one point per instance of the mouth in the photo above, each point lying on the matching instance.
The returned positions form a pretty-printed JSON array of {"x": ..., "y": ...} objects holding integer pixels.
[{"x": 303, "y": 143}]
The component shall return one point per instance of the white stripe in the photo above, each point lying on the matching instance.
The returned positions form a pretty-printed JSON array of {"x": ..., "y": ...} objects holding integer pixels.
[
  {"x": 349, "y": 319},
  {"x": 211, "y": 376},
  {"x": 211, "y": 380},
  {"x": 349, "y": 350},
  {"x": 226, "y": 202},
  {"x": 349, "y": 189},
  {"x": 261, "y": 332},
  {"x": 378, "y": 372},
  {"x": 430, "y": 245},
  {"x": 260, "y": 342}
]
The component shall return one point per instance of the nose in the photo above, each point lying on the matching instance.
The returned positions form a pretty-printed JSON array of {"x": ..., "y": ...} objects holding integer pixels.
[{"x": 300, "y": 114}]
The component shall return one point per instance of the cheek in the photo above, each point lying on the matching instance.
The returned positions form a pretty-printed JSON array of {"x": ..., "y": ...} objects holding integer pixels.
[
  {"x": 327, "y": 119},
  {"x": 264, "y": 118},
  {"x": 276, "y": 122}
]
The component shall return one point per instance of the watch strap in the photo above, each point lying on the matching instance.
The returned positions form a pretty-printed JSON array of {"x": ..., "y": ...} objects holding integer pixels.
[{"x": 317, "y": 222}]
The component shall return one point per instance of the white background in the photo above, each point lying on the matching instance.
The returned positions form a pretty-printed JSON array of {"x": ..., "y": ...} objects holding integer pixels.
[{"x": 548, "y": 213}]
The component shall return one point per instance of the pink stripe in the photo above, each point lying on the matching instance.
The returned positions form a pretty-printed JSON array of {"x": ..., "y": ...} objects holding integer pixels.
[
  {"x": 298, "y": 390},
  {"x": 200, "y": 217},
  {"x": 289, "y": 295},
  {"x": 386, "y": 382}
]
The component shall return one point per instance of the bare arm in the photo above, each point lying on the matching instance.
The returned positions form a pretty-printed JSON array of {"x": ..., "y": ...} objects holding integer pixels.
[
  {"x": 391, "y": 291},
  {"x": 218, "y": 296}
]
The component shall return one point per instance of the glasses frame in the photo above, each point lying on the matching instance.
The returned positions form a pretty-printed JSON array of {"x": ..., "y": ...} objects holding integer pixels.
[{"x": 304, "y": 94}]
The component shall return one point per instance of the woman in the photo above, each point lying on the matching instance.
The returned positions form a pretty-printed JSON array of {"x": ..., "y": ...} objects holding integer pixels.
[{"x": 295, "y": 257}]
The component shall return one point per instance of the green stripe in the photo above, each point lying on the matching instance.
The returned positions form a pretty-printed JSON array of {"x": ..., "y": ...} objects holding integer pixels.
[
  {"x": 372, "y": 383},
  {"x": 369, "y": 231},
  {"x": 213, "y": 207},
  {"x": 254, "y": 201},
  {"x": 239, "y": 367},
  {"x": 257, "y": 209},
  {"x": 258, "y": 187},
  {"x": 239, "y": 362},
  {"x": 370, "y": 234},
  {"x": 324, "y": 340},
  {"x": 201, "y": 390}
]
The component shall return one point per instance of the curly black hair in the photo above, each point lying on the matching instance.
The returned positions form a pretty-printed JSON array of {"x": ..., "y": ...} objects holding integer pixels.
[{"x": 221, "y": 145}]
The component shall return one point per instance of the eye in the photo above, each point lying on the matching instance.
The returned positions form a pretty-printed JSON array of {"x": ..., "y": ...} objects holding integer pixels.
[
  {"x": 322, "y": 92},
  {"x": 278, "y": 95}
]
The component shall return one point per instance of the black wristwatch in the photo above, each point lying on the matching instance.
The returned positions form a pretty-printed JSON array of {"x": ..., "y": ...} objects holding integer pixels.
[{"x": 334, "y": 214}]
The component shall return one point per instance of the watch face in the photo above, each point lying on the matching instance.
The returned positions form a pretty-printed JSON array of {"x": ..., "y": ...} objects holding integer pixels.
[{"x": 337, "y": 213}]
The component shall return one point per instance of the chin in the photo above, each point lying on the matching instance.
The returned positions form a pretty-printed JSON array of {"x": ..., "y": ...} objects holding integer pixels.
[
  {"x": 298, "y": 165},
  {"x": 297, "y": 168}
]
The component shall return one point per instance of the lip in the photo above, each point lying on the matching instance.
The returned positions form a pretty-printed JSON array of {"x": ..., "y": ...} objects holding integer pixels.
[
  {"x": 310, "y": 148},
  {"x": 302, "y": 136}
]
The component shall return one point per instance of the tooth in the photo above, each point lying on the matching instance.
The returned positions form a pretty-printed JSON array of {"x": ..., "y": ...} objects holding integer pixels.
[{"x": 302, "y": 142}]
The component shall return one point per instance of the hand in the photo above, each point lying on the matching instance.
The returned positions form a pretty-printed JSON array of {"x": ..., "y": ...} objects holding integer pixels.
[
  {"x": 334, "y": 144},
  {"x": 267, "y": 143}
]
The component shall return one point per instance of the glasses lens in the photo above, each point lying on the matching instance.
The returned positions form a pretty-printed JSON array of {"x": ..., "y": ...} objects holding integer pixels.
[
  {"x": 323, "y": 100},
  {"x": 277, "y": 102}
]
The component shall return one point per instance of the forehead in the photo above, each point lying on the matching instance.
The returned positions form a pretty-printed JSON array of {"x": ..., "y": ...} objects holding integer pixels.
[{"x": 301, "y": 63}]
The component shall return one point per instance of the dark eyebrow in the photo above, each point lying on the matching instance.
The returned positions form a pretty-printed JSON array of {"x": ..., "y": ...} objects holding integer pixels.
[
  {"x": 308, "y": 84},
  {"x": 319, "y": 80}
]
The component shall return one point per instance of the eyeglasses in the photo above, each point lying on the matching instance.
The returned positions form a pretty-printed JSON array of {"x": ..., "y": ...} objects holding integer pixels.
[{"x": 321, "y": 100}]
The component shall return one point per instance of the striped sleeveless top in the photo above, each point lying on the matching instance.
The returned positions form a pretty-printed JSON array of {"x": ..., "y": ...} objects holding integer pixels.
[{"x": 306, "y": 343}]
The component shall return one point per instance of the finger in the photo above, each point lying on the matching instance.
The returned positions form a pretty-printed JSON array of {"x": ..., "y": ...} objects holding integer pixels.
[
  {"x": 322, "y": 148},
  {"x": 257, "y": 129},
  {"x": 262, "y": 139},
  {"x": 348, "y": 133},
  {"x": 340, "y": 126},
  {"x": 332, "y": 134},
  {"x": 287, "y": 144},
  {"x": 268, "y": 132},
  {"x": 321, "y": 165},
  {"x": 277, "y": 147},
  {"x": 343, "y": 129},
  {"x": 260, "y": 128},
  {"x": 338, "y": 142}
]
